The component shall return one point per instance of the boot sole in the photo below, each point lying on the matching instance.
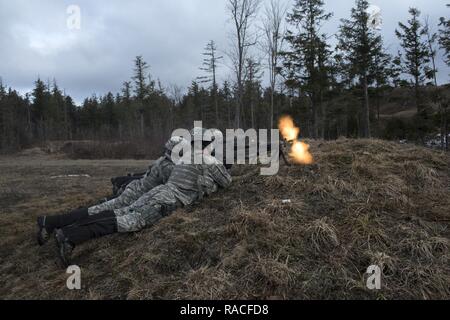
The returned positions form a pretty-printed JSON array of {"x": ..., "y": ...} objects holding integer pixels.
[
  {"x": 59, "y": 239},
  {"x": 41, "y": 240}
]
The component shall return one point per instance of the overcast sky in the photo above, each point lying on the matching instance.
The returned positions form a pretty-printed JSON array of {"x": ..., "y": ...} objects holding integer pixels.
[{"x": 170, "y": 34}]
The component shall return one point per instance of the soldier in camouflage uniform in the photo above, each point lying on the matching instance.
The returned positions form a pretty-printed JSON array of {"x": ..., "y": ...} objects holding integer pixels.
[
  {"x": 135, "y": 210},
  {"x": 157, "y": 175}
]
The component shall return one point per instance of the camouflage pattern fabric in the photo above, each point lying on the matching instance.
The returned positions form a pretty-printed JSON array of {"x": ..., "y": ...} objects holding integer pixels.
[
  {"x": 159, "y": 174},
  {"x": 147, "y": 210},
  {"x": 165, "y": 187},
  {"x": 187, "y": 183}
]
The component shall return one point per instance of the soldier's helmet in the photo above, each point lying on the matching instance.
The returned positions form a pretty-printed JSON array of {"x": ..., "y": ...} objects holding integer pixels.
[
  {"x": 170, "y": 145},
  {"x": 216, "y": 134},
  {"x": 173, "y": 142}
]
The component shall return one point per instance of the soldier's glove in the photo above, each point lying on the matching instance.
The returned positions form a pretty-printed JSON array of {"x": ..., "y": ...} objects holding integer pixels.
[{"x": 206, "y": 186}]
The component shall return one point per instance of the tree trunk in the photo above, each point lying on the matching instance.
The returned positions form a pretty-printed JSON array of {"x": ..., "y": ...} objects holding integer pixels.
[
  {"x": 272, "y": 106},
  {"x": 229, "y": 115},
  {"x": 142, "y": 123},
  {"x": 446, "y": 128},
  {"x": 322, "y": 116},
  {"x": 252, "y": 110},
  {"x": 237, "y": 116},
  {"x": 416, "y": 94},
  {"x": 377, "y": 90},
  {"x": 366, "y": 110},
  {"x": 315, "y": 117},
  {"x": 216, "y": 105}
]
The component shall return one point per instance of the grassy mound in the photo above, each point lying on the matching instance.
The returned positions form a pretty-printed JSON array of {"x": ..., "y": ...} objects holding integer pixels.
[{"x": 363, "y": 202}]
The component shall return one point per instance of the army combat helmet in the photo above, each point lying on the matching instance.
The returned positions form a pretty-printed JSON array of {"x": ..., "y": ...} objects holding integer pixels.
[{"x": 170, "y": 145}]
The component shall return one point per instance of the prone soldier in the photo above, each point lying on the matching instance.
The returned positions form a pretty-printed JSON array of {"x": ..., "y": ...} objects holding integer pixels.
[{"x": 165, "y": 188}]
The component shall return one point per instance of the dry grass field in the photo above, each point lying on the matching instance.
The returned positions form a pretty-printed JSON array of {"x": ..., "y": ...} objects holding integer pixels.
[{"x": 362, "y": 202}]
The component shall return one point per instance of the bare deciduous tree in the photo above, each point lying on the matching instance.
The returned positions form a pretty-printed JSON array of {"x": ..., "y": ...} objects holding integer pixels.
[
  {"x": 252, "y": 82},
  {"x": 274, "y": 16},
  {"x": 210, "y": 65},
  {"x": 243, "y": 13}
]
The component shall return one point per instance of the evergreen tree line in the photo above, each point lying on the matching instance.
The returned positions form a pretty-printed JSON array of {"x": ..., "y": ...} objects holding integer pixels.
[{"x": 331, "y": 92}]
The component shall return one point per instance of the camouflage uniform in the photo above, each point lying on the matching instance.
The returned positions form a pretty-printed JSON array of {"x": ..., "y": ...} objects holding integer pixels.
[
  {"x": 158, "y": 174},
  {"x": 166, "y": 187},
  {"x": 186, "y": 184}
]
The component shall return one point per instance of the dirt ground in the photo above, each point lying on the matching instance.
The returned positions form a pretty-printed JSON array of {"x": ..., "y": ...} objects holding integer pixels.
[{"x": 362, "y": 202}]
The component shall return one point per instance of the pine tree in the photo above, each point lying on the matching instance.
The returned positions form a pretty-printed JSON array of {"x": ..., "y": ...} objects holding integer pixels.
[
  {"x": 306, "y": 59},
  {"x": 380, "y": 73},
  {"x": 2, "y": 117},
  {"x": 325, "y": 80},
  {"x": 444, "y": 43},
  {"x": 395, "y": 70},
  {"x": 126, "y": 92},
  {"x": 57, "y": 111},
  {"x": 141, "y": 88},
  {"x": 39, "y": 109},
  {"x": 416, "y": 54},
  {"x": 444, "y": 38},
  {"x": 359, "y": 44},
  {"x": 140, "y": 77},
  {"x": 2, "y": 89},
  {"x": 226, "y": 96},
  {"x": 431, "y": 39}
]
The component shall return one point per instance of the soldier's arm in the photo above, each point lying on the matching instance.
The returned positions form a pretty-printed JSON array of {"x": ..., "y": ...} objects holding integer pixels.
[{"x": 220, "y": 175}]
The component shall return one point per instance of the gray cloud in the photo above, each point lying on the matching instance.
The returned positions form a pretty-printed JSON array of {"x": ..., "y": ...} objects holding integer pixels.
[{"x": 171, "y": 34}]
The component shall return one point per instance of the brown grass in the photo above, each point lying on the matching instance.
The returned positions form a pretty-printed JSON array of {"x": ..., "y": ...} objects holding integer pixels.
[{"x": 362, "y": 202}]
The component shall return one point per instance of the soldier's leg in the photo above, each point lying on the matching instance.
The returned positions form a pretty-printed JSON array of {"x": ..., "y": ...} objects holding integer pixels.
[
  {"x": 134, "y": 221},
  {"x": 133, "y": 191},
  {"x": 147, "y": 210},
  {"x": 47, "y": 224},
  {"x": 105, "y": 223},
  {"x": 157, "y": 176},
  {"x": 90, "y": 227}
]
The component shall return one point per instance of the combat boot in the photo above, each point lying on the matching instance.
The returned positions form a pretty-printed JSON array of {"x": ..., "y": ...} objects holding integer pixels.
[
  {"x": 48, "y": 224},
  {"x": 65, "y": 248},
  {"x": 94, "y": 226}
]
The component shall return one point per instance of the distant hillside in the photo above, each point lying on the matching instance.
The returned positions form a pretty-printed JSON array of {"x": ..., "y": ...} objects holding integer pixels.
[{"x": 399, "y": 102}]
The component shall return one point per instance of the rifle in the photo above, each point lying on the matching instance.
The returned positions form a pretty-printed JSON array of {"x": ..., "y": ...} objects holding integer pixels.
[
  {"x": 281, "y": 145},
  {"x": 120, "y": 183}
]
